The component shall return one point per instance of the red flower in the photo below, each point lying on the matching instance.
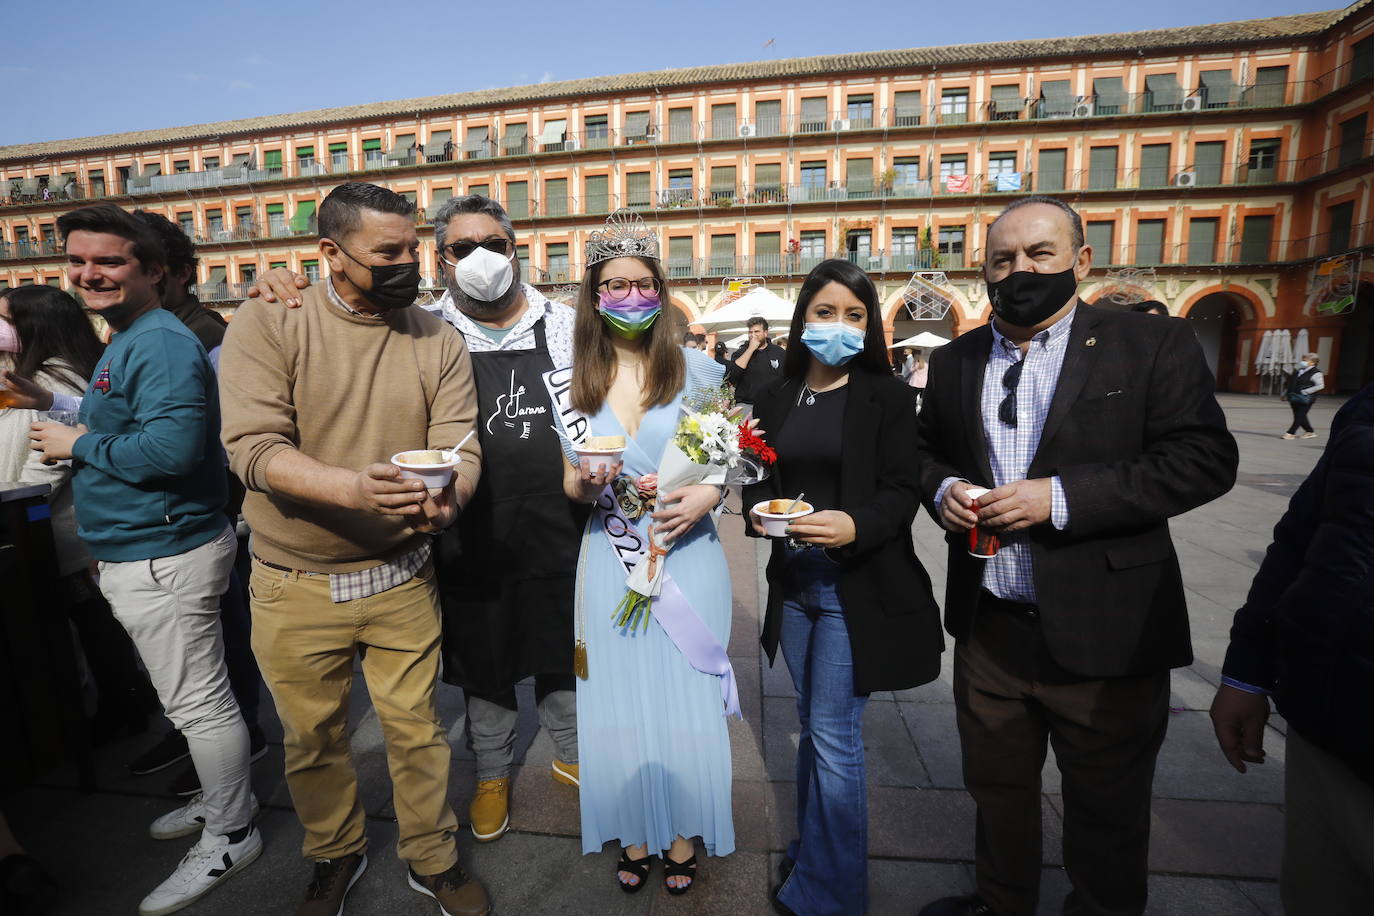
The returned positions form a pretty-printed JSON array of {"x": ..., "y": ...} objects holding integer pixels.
[{"x": 752, "y": 444}]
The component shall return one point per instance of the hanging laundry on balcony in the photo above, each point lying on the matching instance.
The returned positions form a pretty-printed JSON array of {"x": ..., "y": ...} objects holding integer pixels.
[
  {"x": 958, "y": 184},
  {"x": 1009, "y": 181}
]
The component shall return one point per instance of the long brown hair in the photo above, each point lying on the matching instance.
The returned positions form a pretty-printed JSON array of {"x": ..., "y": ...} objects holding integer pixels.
[
  {"x": 55, "y": 332},
  {"x": 594, "y": 363}
]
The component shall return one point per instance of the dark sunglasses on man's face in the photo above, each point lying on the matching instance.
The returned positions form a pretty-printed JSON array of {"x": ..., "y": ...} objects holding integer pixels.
[{"x": 459, "y": 250}]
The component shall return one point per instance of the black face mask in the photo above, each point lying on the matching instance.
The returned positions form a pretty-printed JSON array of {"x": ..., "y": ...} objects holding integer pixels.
[
  {"x": 394, "y": 286},
  {"x": 1025, "y": 298}
]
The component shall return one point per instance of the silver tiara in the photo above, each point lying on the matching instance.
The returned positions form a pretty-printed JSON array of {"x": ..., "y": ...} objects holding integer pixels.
[{"x": 625, "y": 236}]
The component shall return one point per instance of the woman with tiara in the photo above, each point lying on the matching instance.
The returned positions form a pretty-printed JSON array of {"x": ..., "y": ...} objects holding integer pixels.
[{"x": 652, "y": 739}]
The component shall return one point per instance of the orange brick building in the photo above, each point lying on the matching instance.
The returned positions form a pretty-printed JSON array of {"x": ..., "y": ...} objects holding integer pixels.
[{"x": 1215, "y": 167}]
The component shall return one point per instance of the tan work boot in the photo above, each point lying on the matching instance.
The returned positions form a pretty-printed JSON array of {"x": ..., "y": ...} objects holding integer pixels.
[
  {"x": 490, "y": 809},
  {"x": 458, "y": 895},
  {"x": 566, "y": 773}
]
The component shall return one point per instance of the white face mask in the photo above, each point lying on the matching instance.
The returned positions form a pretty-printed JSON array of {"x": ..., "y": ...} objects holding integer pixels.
[{"x": 483, "y": 275}]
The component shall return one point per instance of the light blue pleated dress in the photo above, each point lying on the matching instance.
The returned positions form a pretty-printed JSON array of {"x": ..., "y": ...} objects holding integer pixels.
[{"x": 653, "y": 749}]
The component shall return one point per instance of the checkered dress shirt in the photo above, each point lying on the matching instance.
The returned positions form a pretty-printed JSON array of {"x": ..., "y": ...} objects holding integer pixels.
[
  {"x": 1009, "y": 574},
  {"x": 558, "y": 327},
  {"x": 376, "y": 579}
]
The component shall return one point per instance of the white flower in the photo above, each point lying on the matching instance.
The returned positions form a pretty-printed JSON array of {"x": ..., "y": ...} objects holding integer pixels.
[{"x": 719, "y": 439}]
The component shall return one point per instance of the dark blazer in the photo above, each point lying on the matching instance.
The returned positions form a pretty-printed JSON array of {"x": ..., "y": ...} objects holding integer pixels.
[
  {"x": 1136, "y": 436},
  {"x": 894, "y": 622},
  {"x": 1306, "y": 631}
]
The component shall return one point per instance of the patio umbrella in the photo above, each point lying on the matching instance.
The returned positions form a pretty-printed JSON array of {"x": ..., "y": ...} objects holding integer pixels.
[
  {"x": 1283, "y": 351},
  {"x": 924, "y": 340},
  {"x": 1262, "y": 354},
  {"x": 1300, "y": 346},
  {"x": 759, "y": 302}
]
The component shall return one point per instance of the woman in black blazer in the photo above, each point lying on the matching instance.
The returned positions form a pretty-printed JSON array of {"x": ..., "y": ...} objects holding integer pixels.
[{"x": 847, "y": 598}]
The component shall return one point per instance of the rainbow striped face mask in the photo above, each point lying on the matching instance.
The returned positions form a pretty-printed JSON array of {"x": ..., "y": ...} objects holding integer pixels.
[{"x": 629, "y": 317}]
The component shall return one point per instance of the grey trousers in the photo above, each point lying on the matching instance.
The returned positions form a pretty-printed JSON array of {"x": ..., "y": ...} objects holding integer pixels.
[
  {"x": 1328, "y": 855},
  {"x": 491, "y": 723}
]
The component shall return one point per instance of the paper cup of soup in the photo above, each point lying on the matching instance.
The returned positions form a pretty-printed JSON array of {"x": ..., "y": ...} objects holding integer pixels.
[
  {"x": 432, "y": 466},
  {"x": 601, "y": 450},
  {"x": 775, "y": 516}
]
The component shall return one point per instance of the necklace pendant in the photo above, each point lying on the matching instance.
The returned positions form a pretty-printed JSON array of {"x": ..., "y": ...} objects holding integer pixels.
[{"x": 811, "y": 401}]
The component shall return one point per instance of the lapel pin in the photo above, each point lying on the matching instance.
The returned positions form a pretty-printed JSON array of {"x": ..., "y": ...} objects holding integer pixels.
[{"x": 1090, "y": 342}]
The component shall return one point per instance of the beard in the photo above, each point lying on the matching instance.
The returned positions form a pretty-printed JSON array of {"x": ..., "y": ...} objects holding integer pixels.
[{"x": 478, "y": 309}]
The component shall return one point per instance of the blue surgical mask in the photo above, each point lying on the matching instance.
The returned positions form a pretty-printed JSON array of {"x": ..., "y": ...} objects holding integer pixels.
[{"x": 832, "y": 342}]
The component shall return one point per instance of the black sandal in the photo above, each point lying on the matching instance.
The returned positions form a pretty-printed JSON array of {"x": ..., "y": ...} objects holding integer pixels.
[
  {"x": 673, "y": 869},
  {"x": 637, "y": 867}
]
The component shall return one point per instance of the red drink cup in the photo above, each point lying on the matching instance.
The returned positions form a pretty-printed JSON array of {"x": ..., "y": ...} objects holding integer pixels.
[{"x": 982, "y": 543}]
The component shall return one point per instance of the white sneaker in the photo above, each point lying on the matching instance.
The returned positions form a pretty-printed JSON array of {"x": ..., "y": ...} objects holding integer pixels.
[
  {"x": 188, "y": 819},
  {"x": 208, "y": 863}
]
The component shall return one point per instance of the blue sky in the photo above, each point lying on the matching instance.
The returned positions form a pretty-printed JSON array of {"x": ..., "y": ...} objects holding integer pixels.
[{"x": 186, "y": 63}]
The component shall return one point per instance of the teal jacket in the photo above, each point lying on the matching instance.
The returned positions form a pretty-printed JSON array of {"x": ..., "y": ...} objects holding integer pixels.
[{"x": 150, "y": 474}]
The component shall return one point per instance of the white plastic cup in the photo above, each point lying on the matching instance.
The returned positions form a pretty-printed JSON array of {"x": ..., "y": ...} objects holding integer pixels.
[
  {"x": 65, "y": 417},
  {"x": 599, "y": 459},
  {"x": 434, "y": 476},
  {"x": 775, "y": 523}
]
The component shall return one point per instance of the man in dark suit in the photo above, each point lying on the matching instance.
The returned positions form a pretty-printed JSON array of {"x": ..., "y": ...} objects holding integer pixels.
[
  {"x": 1306, "y": 636},
  {"x": 1091, "y": 428}
]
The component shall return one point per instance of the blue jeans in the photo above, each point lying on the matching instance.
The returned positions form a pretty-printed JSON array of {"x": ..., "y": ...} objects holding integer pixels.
[{"x": 831, "y": 849}]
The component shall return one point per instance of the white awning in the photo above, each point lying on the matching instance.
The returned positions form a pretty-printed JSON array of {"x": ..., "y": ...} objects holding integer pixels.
[{"x": 553, "y": 132}]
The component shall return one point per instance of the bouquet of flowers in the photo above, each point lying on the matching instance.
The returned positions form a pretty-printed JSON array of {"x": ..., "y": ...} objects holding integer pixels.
[{"x": 713, "y": 445}]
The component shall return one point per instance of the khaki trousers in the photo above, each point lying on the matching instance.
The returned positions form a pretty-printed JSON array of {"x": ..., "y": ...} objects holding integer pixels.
[
  {"x": 305, "y": 644},
  {"x": 170, "y": 608},
  {"x": 1328, "y": 854}
]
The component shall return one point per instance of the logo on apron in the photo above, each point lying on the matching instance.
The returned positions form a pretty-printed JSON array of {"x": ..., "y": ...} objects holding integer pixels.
[{"x": 511, "y": 414}]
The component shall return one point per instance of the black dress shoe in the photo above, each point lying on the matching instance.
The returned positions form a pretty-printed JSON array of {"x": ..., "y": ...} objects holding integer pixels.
[
  {"x": 785, "y": 869},
  {"x": 778, "y": 906},
  {"x": 970, "y": 905}
]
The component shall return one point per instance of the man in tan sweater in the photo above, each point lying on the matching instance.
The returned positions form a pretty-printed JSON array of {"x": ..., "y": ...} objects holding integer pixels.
[{"x": 315, "y": 402}]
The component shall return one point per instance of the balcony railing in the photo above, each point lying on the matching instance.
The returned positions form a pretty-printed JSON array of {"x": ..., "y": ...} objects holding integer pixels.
[
  {"x": 1205, "y": 254},
  {"x": 29, "y": 248},
  {"x": 1211, "y": 253},
  {"x": 26, "y": 191}
]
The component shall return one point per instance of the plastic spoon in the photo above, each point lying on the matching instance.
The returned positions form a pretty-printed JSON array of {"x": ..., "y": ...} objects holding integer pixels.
[
  {"x": 794, "y": 503},
  {"x": 459, "y": 446}
]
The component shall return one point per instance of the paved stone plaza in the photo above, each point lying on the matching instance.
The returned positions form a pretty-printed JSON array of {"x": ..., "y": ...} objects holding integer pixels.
[{"x": 1216, "y": 834}]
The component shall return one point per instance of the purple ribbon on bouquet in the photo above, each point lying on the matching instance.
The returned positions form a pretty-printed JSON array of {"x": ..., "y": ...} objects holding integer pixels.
[{"x": 696, "y": 642}]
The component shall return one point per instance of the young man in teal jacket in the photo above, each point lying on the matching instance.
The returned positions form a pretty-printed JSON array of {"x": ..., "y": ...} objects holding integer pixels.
[{"x": 149, "y": 493}]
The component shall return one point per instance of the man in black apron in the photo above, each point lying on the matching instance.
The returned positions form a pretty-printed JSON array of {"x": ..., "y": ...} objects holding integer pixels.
[{"x": 507, "y": 569}]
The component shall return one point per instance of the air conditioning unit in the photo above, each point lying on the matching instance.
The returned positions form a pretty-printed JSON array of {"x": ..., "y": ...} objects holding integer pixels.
[
  {"x": 840, "y": 124},
  {"x": 1192, "y": 103},
  {"x": 570, "y": 144},
  {"x": 747, "y": 130},
  {"x": 1084, "y": 109},
  {"x": 1186, "y": 179}
]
